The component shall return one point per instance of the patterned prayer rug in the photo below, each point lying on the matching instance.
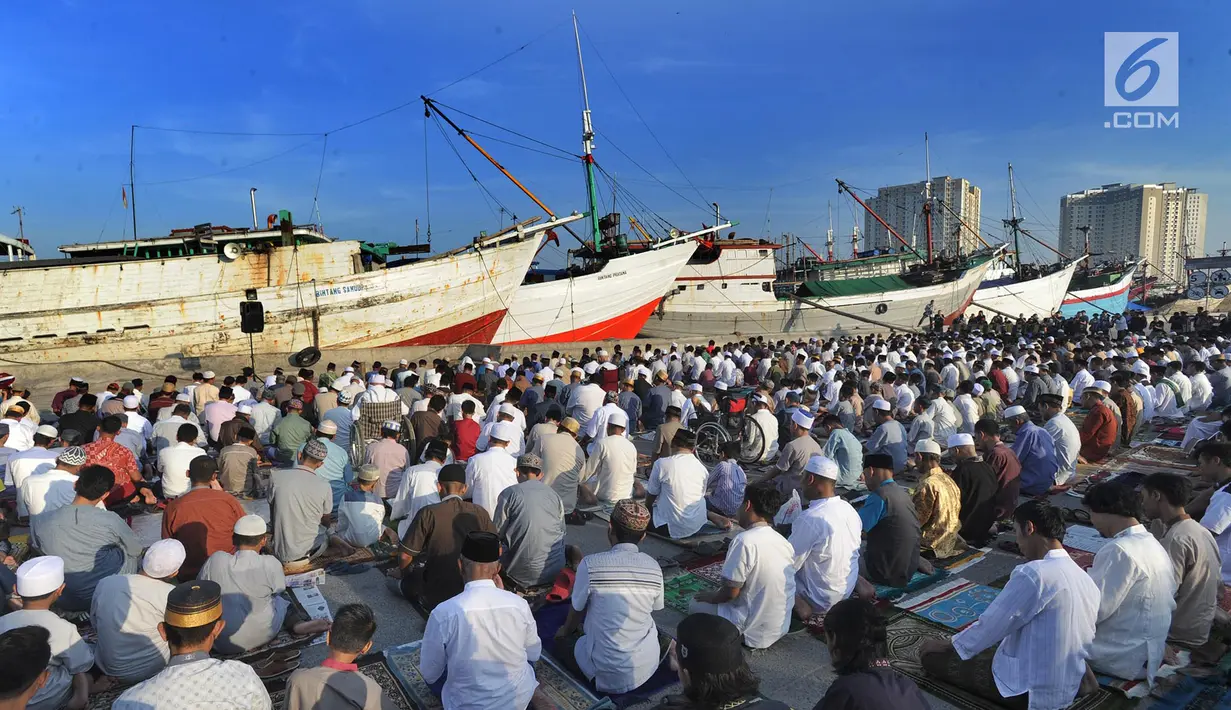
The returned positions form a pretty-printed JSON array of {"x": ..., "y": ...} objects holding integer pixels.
[
  {"x": 906, "y": 633},
  {"x": 681, "y": 589},
  {"x": 373, "y": 665},
  {"x": 956, "y": 604},
  {"x": 1193, "y": 694},
  {"x": 711, "y": 572},
  {"x": 917, "y": 582},
  {"x": 561, "y": 690},
  {"x": 962, "y": 560}
]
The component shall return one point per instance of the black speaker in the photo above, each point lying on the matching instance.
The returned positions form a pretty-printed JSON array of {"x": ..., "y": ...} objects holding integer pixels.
[{"x": 251, "y": 317}]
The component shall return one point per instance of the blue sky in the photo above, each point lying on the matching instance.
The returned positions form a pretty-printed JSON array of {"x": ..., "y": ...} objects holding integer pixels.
[{"x": 745, "y": 96}]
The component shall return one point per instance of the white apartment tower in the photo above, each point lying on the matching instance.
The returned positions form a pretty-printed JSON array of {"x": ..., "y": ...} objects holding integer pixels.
[
  {"x": 902, "y": 207},
  {"x": 1160, "y": 222}
]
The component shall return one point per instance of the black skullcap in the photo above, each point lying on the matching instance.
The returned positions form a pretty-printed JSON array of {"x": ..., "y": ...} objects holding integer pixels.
[
  {"x": 878, "y": 461},
  {"x": 685, "y": 439},
  {"x": 452, "y": 473},
  {"x": 481, "y": 546},
  {"x": 194, "y": 604},
  {"x": 709, "y": 644},
  {"x": 1054, "y": 400}
]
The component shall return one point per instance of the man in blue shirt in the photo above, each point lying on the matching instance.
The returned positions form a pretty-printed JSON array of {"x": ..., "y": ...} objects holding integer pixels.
[
  {"x": 1035, "y": 450},
  {"x": 845, "y": 450}
]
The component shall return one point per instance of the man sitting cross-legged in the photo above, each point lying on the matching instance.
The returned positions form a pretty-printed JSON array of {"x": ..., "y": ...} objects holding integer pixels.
[
  {"x": 758, "y": 576},
  {"x": 1041, "y": 624}
]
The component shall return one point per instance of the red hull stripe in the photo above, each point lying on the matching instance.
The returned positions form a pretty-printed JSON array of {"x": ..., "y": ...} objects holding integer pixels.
[
  {"x": 953, "y": 316},
  {"x": 473, "y": 332},
  {"x": 1109, "y": 294},
  {"x": 623, "y": 327}
]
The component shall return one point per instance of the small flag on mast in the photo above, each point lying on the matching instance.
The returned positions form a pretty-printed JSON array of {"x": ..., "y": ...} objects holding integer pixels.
[{"x": 124, "y": 196}]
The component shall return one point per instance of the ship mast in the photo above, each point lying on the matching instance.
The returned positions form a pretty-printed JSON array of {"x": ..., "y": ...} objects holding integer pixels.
[
  {"x": 587, "y": 143},
  {"x": 843, "y": 187},
  {"x": 927, "y": 194},
  {"x": 829, "y": 232},
  {"x": 1014, "y": 223}
]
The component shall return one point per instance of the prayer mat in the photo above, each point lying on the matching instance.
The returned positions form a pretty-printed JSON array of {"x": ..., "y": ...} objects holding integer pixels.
[
  {"x": 956, "y": 604},
  {"x": 1225, "y": 600},
  {"x": 698, "y": 562},
  {"x": 907, "y": 632},
  {"x": 1084, "y": 560},
  {"x": 1193, "y": 694},
  {"x": 1084, "y": 538},
  {"x": 373, "y": 665},
  {"x": 1140, "y": 688},
  {"x": 962, "y": 560},
  {"x": 561, "y": 690},
  {"x": 680, "y": 590},
  {"x": 917, "y": 582},
  {"x": 708, "y": 536},
  {"x": 359, "y": 556},
  {"x": 711, "y": 572}
]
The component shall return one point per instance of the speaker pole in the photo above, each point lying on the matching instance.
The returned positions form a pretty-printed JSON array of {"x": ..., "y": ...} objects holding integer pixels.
[{"x": 251, "y": 354}]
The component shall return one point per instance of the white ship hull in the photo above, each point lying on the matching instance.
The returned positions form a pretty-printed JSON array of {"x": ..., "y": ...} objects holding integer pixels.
[
  {"x": 313, "y": 295},
  {"x": 1039, "y": 297},
  {"x": 614, "y": 302},
  {"x": 746, "y": 306}
]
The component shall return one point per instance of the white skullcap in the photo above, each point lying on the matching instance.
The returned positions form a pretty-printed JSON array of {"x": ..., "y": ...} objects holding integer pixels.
[
  {"x": 327, "y": 427},
  {"x": 163, "y": 558},
  {"x": 1141, "y": 368},
  {"x": 47, "y": 430},
  {"x": 695, "y": 387},
  {"x": 40, "y": 576},
  {"x": 619, "y": 418},
  {"x": 881, "y": 405},
  {"x": 801, "y": 419},
  {"x": 503, "y": 431},
  {"x": 720, "y": 385},
  {"x": 927, "y": 446},
  {"x": 822, "y": 466},
  {"x": 1102, "y": 385},
  {"x": 271, "y": 381},
  {"x": 978, "y": 389},
  {"x": 250, "y": 526},
  {"x": 132, "y": 401},
  {"x": 961, "y": 440},
  {"x": 208, "y": 374},
  {"x": 577, "y": 371},
  {"x": 183, "y": 397},
  {"x": 509, "y": 409},
  {"x": 349, "y": 368},
  {"x": 1031, "y": 368},
  {"x": 1014, "y": 411},
  {"x": 244, "y": 409},
  {"x": 375, "y": 378},
  {"x": 337, "y": 385},
  {"x": 590, "y": 367},
  {"x": 403, "y": 362},
  {"x": 392, "y": 425}
]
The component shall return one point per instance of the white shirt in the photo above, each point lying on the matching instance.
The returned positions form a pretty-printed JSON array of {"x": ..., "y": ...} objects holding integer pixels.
[
  {"x": 584, "y": 402},
  {"x": 966, "y": 407},
  {"x": 21, "y": 436},
  {"x": 769, "y": 432},
  {"x": 47, "y": 491},
  {"x": 1202, "y": 393},
  {"x": 486, "y": 638},
  {"x": 948, "y": 376},
  {"x": 679, "y": 483},
  {"x": 173, "y": 467},
  {"x": 1067, "y": 443},
  {"x": 515, "y": 448},
  {"x": 825, "y": 538},
  {"x": 613, "y": 459},
  {"x": 944, "y": 419},
  {"x": 1044, "y": 621},
  {"x": 489, "y": 473},
  {"x": 1137, "y": 581},
  {"x": 26, "y": 463},
  {"x": 1164, "y": 402},
  {"x": 416, "y": 491},
  {"x": 453, "y": 408},
  {"x": 1147, "y": 400},
  {"x": 1081, "y": 380},
  {"x": 596, "y": 428},
  {"x": 762, "y": 564},
  {"x": 264, "y": 417},
  {"x": 619, "y": 590},
  {"x": 139, "y": 424},
  {"x": 377, "y": 393},
  {"x": 1217, "y": 520},
  {"x": 904, "y": 400},
  {"x": 360, "y": 517},
  {"x": 166, "y": 430}
]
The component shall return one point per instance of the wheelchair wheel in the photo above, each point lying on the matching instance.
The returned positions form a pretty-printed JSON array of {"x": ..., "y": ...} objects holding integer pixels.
[
  {"x": 358, "y": 447},
  {"x": 710, "y": 438},
  {"x": 752, "y": 442}
]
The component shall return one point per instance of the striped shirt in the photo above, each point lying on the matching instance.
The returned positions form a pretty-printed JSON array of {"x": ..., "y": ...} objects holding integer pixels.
[{"x": 619, "y": 590}]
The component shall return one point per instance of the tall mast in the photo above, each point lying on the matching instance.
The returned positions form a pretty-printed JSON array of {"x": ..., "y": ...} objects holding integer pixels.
[
  {"x": 21, "y": 222},
  {"x": 829, "y": 233},
  {"x": 927, "y": 193},
  {"x": 1014, "y": 223},
  {"x": 587, "y": 143}
]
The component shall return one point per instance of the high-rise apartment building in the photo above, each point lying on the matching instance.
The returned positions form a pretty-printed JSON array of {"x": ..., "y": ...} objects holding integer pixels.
[
  {"x": 902, "y": 207},
  {"x": 1160, "y": 222}
]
